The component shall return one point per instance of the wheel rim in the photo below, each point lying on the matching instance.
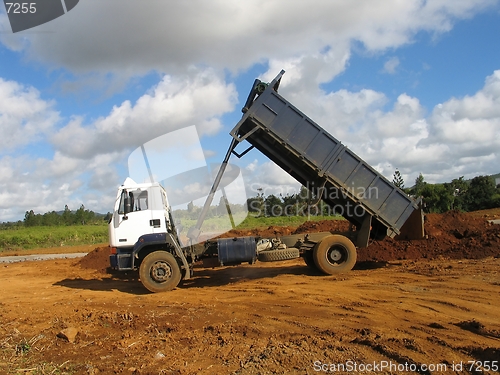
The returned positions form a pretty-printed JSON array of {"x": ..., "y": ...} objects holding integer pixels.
[
  {"x": 336, "y": 255},
  {"x": 161, "y": 272}
]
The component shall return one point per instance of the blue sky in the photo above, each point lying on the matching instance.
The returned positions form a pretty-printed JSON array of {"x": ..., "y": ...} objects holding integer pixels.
[{"x": 413, "y": 85}]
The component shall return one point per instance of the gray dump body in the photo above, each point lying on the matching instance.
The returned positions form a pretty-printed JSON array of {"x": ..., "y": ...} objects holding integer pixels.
[{"x": 318, "y": 160}]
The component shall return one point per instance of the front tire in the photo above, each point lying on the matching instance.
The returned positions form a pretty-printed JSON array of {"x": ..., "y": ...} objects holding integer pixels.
[
  {"x": 159, "y": 272},
  {"x": 334, "y": 254}
]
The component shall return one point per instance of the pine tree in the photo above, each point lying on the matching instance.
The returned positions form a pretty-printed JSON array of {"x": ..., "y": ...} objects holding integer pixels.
[
  {"x": 419, "y": 185},
  {"x": 398, "y": 180}
]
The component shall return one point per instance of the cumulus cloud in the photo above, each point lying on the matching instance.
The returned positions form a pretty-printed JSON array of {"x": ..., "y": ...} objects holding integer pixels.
[
  {"x": 25, "y": 189},
  {"x": 47, "y": 184},
  {"x": 83, "y": 168},
  {"x": 472, "y": 119},
  {"x": 469, "y": 126},
  {"x": 24, "y": 116},
  {"x": 459, "y": 137},
  {"x": 176, "y": 102},
  {"x": 307, "y": 71},
  {"x": 168, "y": 36}
]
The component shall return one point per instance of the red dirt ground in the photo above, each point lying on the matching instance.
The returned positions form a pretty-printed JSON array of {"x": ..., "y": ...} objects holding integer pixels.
[{"x": 432, "y": 301}]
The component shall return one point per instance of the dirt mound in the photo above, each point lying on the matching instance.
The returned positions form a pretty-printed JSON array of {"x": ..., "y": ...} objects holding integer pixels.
[
  {"x": 454, "y": 225},
  {"x": 323, "y": 226},
  {"x": 97, "y": 259},
  {"x": 307, "y": 227},
  {"x": 453, "y": 235},
  {"x": 269, "y": 232}
]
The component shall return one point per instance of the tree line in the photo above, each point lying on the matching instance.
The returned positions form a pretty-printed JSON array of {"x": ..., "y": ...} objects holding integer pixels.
[
  {"x": 81, "y": 216},
  {"x": 477, "y": 194}
]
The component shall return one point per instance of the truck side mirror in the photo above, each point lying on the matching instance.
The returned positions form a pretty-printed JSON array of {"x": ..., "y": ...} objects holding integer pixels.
[{"x": 127, "y": 204}]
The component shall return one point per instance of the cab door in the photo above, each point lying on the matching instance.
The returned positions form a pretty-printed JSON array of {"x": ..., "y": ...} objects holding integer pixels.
[
  {"x": 158, "y": 209},
  {"x": 132, "y": 217}
]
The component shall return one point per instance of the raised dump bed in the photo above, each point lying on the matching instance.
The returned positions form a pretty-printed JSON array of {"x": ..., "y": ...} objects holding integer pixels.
[{"x": 323, "y": 164}]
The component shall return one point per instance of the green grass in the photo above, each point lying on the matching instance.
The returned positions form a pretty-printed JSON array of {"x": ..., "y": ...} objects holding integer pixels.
[
  {"x": 41, "y": 237},
  {"x": 292, "y": 221},
  {"x": 218, "y": 223},
  {"x": 38, "y": 237}
]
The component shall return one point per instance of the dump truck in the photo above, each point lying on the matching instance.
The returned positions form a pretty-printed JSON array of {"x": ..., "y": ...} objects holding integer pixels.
[{"x": 143, "y": 235}]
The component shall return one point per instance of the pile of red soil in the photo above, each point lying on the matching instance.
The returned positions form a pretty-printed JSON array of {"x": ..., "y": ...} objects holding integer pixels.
[
  {"x": 97, "y": 259},
  {"x": 307, "y": 227},
  {"x": 323, "y": 226},
  {"x": 269, "y": 232},
  {"x": 453, "y": 235}
]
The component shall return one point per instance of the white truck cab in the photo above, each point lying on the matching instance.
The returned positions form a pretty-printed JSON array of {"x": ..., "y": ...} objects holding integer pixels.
[{"x": 139, "y": 209}]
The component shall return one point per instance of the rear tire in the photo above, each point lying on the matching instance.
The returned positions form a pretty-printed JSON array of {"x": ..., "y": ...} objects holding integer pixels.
[
  {"x": 334, "y": 254},
  {"x": 309, "y": 259},
  {"x": 279, "y": 254},
  {"x": 159, "y": 272}
]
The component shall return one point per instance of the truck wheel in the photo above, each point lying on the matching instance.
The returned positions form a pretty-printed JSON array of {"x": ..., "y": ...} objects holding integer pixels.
[
  {"x": 309, "y": 259},
  {"x": 334, "y": 254},
  {"x": 280, "y": 254},
  {"x": 159, "y": 272}
]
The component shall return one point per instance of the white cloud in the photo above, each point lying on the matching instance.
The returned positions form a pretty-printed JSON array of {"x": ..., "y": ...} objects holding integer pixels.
[
  {"x": 402, "y": 121},
  {"x": 391, "y": 65},
  {"x": 267, "y": 178},
  {"x": 252, "y": 166},
  {"x": 305, "y": 72},
  {"x": 470, "y": 120},
  {"x": 122, "y": 38},
  {"x": 469, "y": 126},
  {"x": 459, "y": 137},
  {"x": 104, "y": 176},
  {"x": 24, "y": 116},
  {"x": 59, "y": 166},
  {"x": 176, "y": 102},
  {"x": 84, "y": 166},
  {"x": 44, "y": 184}
]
